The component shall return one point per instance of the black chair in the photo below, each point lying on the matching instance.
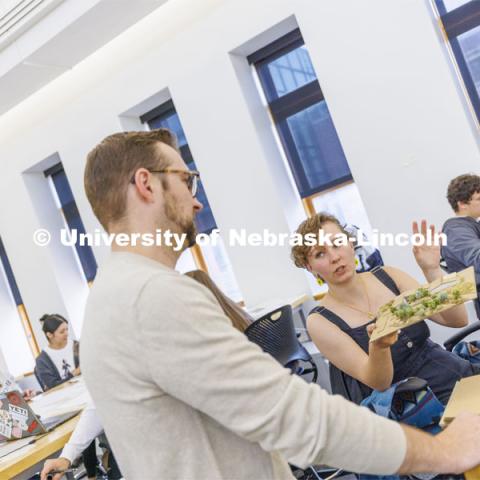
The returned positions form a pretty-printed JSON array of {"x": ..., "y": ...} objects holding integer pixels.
[
  {"x": 475, "y": 326},
  {"x": 453, "y": 340},
  {"x": 275, "y": 334}
]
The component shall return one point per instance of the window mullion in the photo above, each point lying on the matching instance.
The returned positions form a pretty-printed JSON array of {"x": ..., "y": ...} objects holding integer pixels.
[
  {"x": 295, "y": 101},
  {"x": 462, "y": 19}
]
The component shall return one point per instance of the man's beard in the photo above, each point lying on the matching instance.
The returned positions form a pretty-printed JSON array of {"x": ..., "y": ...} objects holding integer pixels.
[
  {"x": 191, "y": 232},
  {"x": 180, "y": 225}
]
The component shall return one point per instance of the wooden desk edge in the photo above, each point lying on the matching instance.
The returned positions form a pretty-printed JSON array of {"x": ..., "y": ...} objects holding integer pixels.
[
  {"x": 39, "y": 451},
  {"x": 473, "y": 474}
]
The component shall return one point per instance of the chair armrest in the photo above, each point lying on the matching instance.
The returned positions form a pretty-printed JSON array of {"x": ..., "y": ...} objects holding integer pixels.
[{"x": 452, "y": 341}]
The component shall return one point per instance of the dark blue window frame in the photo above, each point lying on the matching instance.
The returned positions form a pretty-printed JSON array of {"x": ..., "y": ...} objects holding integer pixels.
[
  {"x": 157, "y": 118},
  {"x": 72, "y": 217},
  {"x": 290, "y": 104},
  {"x": 9, "y": 274},
  {"x": 455, "y": 23}
]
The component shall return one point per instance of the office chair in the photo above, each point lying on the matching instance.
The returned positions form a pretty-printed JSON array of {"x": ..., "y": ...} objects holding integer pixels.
[
  {"x": 275, "y": 334},
  {"x": 473, "y": 327},
  {"x": 454, "y": 339}
]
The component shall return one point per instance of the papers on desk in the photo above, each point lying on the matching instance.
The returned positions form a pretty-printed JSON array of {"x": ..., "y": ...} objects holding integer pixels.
[
  {"x": 64, "y": 400},
  {"x": 465, "y": 398},
  {"x": 10, "y": 447}
]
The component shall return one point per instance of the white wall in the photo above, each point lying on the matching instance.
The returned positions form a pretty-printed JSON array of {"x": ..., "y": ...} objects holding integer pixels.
[
  {"x": 396, "y": 107},
  {"x": 381, "y": 65},
  {"x": 16, "y": 357}
]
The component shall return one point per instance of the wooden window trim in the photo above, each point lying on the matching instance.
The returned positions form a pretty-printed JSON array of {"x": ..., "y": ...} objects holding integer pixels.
[{"x": 27, "y": 326}]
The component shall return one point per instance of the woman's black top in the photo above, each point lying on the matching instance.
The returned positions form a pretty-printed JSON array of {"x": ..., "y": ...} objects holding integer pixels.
[{"x": 413, "y": 355}]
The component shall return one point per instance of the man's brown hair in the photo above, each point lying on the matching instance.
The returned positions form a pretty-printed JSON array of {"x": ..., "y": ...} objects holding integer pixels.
[
  {"x": 113, "y": 162},
  {"x": 312, "y": 225},
  {"x": 462, "y": 188}
]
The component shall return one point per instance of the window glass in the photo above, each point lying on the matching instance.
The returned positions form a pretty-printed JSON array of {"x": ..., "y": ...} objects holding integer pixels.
[
  {"x": 470, "y": 45},
  {"x": 220, "y": 270},
  {"x": 347, "y": 205},
  {"x": 172, "y": 122},
  {"x": 317, "y": 145},
  {"x": 301, "y": 115},
  {"x": 291, "y": 71},
  {"x": 453, "y": 4},
  {"x": 74, "y": 222},
  {"x": 216, "y": 258}
]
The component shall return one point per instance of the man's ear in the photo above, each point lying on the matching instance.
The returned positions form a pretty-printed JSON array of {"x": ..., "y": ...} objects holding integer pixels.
[{"x": 143, "y": 184}]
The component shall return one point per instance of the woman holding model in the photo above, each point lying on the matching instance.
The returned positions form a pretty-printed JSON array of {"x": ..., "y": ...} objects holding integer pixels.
[{"x": 341, "y": 325}]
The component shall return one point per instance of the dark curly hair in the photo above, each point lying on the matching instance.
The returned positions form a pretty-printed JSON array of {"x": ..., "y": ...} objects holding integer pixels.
[{"x": 462, "y": 188}]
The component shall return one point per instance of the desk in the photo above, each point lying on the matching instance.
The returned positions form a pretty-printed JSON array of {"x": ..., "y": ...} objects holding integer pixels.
[
  {"x": 21, "y": 461},
  {"x": 68, "y": 397},
  {"x": 473, "y": 474}
]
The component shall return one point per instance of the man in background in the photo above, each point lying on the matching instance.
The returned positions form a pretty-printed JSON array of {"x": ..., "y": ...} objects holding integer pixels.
[{"x": 463, "y": 230}]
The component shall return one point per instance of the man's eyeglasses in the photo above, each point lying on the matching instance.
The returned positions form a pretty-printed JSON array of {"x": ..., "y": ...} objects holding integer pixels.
[{"x": 192, "y": 180}]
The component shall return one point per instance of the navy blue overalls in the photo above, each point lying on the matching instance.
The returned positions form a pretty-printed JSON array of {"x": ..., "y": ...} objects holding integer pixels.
[{"x": 413, "y": 355}]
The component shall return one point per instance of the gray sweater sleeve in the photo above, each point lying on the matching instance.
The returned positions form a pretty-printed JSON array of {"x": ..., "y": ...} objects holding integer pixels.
[
  {"x": 250, "y": 394},
  {"x": 463, "y": 244}
]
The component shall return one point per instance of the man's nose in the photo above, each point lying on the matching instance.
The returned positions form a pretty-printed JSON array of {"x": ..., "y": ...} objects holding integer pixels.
[{"x": 197, "y": 205}]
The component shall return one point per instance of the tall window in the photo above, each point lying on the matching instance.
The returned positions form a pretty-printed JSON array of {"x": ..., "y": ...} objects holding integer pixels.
[
  {"x": 213, "y": 259},
  {"x": 301, "y": 115},
  {"x": 306, "y": 130},
  {"x": 17, "y": 340},
  {"x": 66, "y": 203},
  {"x": 461, "y": 22}
]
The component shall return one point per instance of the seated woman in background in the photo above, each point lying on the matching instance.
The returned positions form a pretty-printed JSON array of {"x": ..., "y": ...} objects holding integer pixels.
[
  {"x": 341, "y": 326},
  {"x": 58, "y": 362}
]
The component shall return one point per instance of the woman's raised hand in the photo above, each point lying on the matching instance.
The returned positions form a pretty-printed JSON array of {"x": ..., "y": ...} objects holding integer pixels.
[{"x": 427, "y": 256}]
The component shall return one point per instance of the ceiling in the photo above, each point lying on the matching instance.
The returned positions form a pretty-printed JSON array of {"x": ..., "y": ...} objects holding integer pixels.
[{"x": 41, "y": 39}]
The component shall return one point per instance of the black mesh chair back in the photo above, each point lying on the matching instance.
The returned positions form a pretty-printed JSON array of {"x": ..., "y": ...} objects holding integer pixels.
[
  {"x": 275, "y": 334},
  {"x": 346, "y": 386}
]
